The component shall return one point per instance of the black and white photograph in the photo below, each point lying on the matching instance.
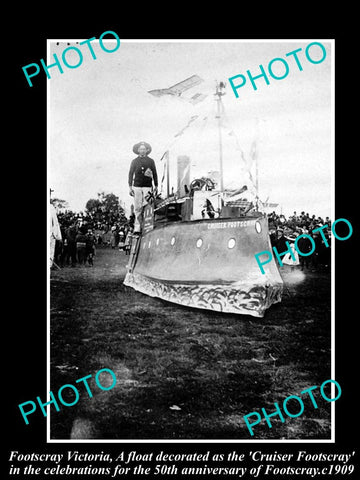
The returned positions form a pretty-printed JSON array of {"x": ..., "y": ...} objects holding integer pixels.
[
  {"x": 167, "y": 181},
  {"x": 185, "y": 306}
]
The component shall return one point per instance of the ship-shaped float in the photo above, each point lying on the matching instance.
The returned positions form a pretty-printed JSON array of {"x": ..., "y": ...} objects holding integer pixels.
[{"x": 197, "y": 247}]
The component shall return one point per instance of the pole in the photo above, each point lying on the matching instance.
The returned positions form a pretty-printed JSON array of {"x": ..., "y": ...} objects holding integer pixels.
[
  {"x": 257, "y": 181},
  {"x": 167, "y": 175},
  {"x": 257, "y": 175},
  {"x": 219, "y": 94}
]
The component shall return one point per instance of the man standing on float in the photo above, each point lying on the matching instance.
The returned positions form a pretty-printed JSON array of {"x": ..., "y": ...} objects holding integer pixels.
[{"x": 142, "y": 176}]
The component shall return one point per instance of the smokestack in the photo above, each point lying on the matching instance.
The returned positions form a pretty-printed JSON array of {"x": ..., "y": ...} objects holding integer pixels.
[{"x": 183, "y": 174}]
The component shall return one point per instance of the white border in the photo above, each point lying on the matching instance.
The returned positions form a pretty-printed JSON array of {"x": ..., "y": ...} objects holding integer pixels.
[{"x": 216, "y": 441}]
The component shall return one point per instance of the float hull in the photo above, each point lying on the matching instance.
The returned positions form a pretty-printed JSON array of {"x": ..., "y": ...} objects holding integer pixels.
[{"x": 207, "y": 264}]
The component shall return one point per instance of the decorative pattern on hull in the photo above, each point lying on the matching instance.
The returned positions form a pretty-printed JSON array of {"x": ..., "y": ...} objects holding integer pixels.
[{"x": 231, "y": 298}]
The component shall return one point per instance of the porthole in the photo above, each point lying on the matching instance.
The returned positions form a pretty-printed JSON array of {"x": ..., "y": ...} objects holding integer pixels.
[
  {"x": 258, "y": 227},
  {"x": 199, "y": 242},
  {"x": 172, "y": 241},
  {"x": 157, "y": 241},
  {"x": 231, "y": 243}
]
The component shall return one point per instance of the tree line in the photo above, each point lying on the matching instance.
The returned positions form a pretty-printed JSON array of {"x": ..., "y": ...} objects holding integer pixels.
[{"x": 105, "y": 210}]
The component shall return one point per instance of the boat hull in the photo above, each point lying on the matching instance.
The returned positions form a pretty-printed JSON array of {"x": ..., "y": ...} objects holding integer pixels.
[{"x": 207, "y": 264}]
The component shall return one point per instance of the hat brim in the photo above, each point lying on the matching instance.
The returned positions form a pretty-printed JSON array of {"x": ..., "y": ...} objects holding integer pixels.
[{"x": 138, "y": 145}]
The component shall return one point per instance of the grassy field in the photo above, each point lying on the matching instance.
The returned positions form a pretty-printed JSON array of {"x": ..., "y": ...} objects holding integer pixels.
[{"x": 184, "y": 373}]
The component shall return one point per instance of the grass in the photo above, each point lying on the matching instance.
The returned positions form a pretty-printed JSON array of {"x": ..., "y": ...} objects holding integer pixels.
[{"x": 184, "y": 373}]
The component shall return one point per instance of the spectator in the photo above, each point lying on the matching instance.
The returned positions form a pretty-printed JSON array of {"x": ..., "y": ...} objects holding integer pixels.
[
  {"x": 114, "y": 239},
  {"x": 128, "y": 242},
  {"x": 81, "y": 246},
  {"x": 281, "y": 241},
  {"x": 90, "y": 247},
  {"x": 71, "y": 233},
  {"x": 304, "y": 246},
  {"x": 273, "y": 236}
]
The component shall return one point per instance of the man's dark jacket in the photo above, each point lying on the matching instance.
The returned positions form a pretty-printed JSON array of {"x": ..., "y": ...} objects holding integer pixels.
[{"x": 140, "y": 172}]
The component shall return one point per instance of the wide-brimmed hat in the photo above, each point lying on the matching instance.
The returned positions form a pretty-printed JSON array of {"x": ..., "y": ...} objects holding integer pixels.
[{"x": 138, "y": 145}]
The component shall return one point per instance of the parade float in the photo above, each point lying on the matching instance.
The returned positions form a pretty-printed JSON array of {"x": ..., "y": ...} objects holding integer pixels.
[{"x": 198, "y": 242}]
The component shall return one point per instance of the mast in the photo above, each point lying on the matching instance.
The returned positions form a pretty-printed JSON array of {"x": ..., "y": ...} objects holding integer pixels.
[
  {"x": 257, "y": 166},
  {"x": 257, "y": 182},
  {"x": 218, "y": 94},
  {"x": 167, "y": 175}
]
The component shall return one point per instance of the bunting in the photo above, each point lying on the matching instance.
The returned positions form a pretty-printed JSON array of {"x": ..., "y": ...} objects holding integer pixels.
[{"x": 192, "y": 119}]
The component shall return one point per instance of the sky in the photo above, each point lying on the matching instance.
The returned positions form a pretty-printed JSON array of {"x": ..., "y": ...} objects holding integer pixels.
[{"x": 98, "y": 111}]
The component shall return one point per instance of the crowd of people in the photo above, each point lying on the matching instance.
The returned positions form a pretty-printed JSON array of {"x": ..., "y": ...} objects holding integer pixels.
[
  {"x": 282, "y": 230},
  {"x": 81, "y": 235},
  {"x": 298, "y": 221}
]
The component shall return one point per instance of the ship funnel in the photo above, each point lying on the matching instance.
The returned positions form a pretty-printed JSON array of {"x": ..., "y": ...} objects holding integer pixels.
[{"x": 183, "y": 175}]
